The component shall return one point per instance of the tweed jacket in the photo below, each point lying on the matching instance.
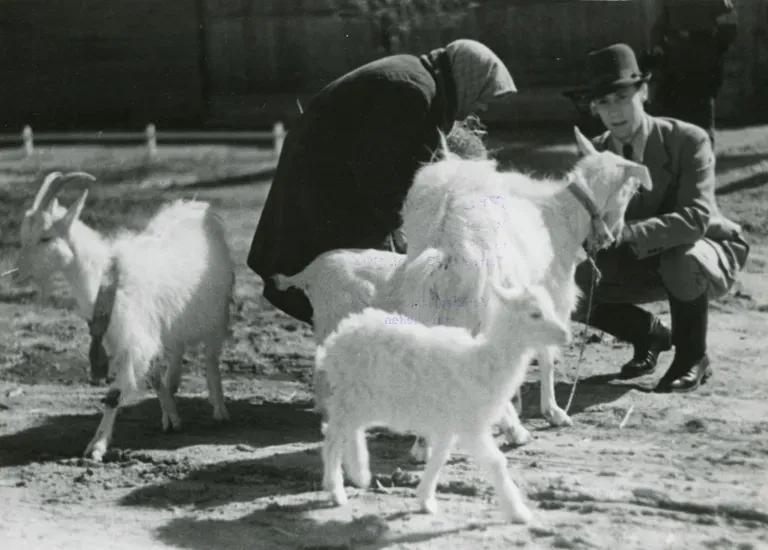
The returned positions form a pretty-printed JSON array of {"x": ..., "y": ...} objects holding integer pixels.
[{"x": 681, "y": 208}]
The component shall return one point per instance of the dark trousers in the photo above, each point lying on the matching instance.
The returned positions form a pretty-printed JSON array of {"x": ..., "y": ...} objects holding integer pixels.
[{"x": 685, "y": 272}]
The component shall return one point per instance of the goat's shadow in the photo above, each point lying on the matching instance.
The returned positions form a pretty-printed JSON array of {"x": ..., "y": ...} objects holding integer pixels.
[
  {"x": 138, "y": 427},
  {"x": 279, "y": 473},
  {"x": 593, "y": 390},
  {"x": 294, "y": 527},
  {"x": 302, "y": 522}
]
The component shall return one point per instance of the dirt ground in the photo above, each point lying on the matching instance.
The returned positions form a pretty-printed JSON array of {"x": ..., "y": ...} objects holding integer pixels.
[{"x": 684, "y": 471}]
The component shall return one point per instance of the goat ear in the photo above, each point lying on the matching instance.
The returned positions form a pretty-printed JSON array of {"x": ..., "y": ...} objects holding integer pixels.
[
  {"x": 584, "y": 145},
  {"x": 74, "y": 212},
  {"x": 639, "y": 172},
  {"x": 444, "y": 150}
]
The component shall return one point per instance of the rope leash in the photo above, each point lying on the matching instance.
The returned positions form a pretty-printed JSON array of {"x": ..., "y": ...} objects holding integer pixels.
[{"x": 594, "y": 281}]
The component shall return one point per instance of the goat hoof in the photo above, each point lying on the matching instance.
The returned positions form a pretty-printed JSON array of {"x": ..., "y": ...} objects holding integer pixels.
[
  {"x": 420, "y": 453},
  {"x": 558, "y": 417},
  {"x": 95, "y": 451},
  {"x": 221, "y": 415},
  {"x": 428, "y": 505},
  {"x": 339, "y": 498},
  {"x": 362, "y": 479},
  {"x": 521, "y": 514},
  {"x": 518, "y": 436},
  {"x": 171, "y": 424}
]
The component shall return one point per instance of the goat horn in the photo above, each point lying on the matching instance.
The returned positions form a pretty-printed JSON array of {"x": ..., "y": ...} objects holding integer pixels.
[
  {"x": 50, "y": 178},
  {"x": 53, "y": 184}
]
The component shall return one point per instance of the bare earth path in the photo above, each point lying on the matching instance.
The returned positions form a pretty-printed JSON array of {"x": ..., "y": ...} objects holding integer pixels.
[{"x": 683, "y": 472}]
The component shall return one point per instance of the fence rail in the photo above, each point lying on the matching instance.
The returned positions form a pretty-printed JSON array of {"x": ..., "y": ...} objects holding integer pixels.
[{"x": 27, "y": 140}]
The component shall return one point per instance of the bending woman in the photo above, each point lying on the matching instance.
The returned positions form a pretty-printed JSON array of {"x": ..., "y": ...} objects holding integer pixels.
[{"x": 349, "y": 160}]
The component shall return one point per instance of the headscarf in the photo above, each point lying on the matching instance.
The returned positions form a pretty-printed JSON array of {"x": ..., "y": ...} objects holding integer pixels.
[{"x": 479, "y": 74}]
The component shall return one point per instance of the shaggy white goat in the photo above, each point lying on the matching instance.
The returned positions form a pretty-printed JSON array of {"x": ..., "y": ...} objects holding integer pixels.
[
  {"x": 438, "y": 381},
  {"x": 468, "y": 223},
  {"x": 174, "y": 284}
]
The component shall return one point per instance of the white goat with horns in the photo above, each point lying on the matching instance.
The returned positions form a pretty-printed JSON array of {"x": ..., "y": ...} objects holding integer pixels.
[
  {"x": 466, "y": 222},
  {"x": 172, "y": 285}
]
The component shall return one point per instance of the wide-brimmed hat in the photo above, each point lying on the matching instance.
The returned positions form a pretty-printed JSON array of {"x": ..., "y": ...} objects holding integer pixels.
[{"x": 610, "y": 69}]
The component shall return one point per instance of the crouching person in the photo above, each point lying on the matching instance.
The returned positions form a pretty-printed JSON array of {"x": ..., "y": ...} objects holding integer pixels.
[
  {"x": 348, "y": 161},
  {"x": 676, "y": 245}
]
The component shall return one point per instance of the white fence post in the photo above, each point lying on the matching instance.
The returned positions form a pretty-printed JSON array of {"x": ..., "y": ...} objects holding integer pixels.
[
  {"x": 151, "y": 140},
  {"x": 278, "y": 131},
  {"x": 26, "y": 137}
]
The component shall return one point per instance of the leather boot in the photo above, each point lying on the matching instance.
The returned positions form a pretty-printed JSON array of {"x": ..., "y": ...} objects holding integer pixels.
[
  {"x": 647, "y": 334},
  {"x": 690, "y": 368}
]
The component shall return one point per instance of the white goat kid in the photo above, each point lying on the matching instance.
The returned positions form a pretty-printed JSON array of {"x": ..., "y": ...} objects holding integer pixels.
[
  {"x": 338, "y": 283},
  {"x": 174, "y": 286},
  {"x": 438, "y": 381},
  {"x": 467, "y": 223}
]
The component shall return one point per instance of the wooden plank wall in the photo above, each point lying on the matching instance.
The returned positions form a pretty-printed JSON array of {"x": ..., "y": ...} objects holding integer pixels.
[
  {"x": 122, "y": 63},
  {"x": 99, "y": 63},
  {"x": 544, "y": 43}
]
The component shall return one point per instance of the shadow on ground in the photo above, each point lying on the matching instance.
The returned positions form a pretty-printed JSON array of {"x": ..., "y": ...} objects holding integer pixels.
[
  {"x": 260, "y": 176},
  {"x": 138, "y": 427},
  {"x": 293, "y": 527},
  {"x": 280, "y": 473},
  {"x": 592, "y": 391},
  {"x": 726, "y": 162},
  {"x": 749, "y": 182}
]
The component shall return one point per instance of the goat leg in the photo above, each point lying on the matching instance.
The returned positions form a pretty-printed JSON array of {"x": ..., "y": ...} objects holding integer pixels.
[
  {"x": 549, "y": 408},
  {"x": 514, "y": 431},
  {"x": 425, "y": 492},
  {"x": 171, "y": 420},
  {"x": 213, "y": 379},
  {"x": 98, "y": 445}
]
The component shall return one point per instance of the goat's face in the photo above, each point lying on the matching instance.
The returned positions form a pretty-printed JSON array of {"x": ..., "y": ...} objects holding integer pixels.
[
  {"x": 534, "y": 315},
  {"x": 45, "y": 243},
  {"x": 613, "y": 180}
]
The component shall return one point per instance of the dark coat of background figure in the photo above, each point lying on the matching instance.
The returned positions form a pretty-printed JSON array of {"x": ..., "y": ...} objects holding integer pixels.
[
  {"x": 349, "y": 160},
  {"x": 689, "y": 41}
]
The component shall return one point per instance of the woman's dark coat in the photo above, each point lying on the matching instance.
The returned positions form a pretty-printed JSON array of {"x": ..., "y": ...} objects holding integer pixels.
[{"x": 347, "y": 164}]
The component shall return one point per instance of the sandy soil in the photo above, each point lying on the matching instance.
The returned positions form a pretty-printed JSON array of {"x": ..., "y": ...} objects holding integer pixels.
[{"x": 683, "y": 472}]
